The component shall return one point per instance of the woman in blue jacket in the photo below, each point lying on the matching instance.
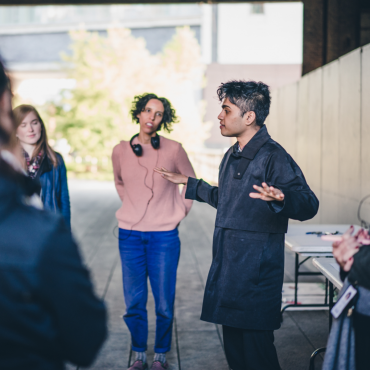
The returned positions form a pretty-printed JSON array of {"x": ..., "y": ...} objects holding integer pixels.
[{"x": 42, "y": 162}]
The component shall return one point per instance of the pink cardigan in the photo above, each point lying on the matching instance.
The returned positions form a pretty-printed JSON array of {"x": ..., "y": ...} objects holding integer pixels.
[{"x": 167, "y": 207}]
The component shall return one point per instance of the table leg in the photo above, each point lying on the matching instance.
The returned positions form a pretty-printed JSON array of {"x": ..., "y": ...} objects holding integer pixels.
[
  {"x": 331, "y": 302},
  {"x": 296, "y": 278},
  {"x": 297, "y": 273}
]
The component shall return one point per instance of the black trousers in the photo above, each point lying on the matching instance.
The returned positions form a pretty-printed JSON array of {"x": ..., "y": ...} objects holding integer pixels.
[{"x": 250, "y": 349}]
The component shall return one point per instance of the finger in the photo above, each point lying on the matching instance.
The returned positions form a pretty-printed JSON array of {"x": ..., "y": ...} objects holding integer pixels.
[
  {"x": 255, "y": 195},
  {"x": 347, "y": 266},
  {"x": 258, "y": 188},
  {"x": 349, "y": 231},
  {"x": 332, "y": 238},
  {"x": 265, "y": 187},
  {"x": 349, "y": 253}
]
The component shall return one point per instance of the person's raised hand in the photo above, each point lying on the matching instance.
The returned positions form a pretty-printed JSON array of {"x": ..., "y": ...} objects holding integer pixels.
[
  {"x": 267, "y": 193},
  {"x": 176, "y": 178},
  {"x": 344, "y": 249}
]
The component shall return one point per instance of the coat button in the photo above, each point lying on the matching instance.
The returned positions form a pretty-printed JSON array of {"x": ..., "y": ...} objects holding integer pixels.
[{"x": 238, "y": 174}]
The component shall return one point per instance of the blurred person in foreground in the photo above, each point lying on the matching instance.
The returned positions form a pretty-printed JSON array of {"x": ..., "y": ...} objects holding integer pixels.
[
  {"x": 244, "y": 285},
  {"x": 349, "y": 341},
  {"x": 151, "y": 211},
  {"x": 49, "y": 313},
  {"x": 43, "y": 164}
]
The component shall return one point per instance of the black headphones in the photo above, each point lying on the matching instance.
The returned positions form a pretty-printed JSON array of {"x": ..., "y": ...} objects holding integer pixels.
[{"x": 138, "y": 149}]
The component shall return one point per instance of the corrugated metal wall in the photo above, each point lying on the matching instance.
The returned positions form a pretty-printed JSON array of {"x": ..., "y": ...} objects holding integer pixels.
[{"x": 323, "y": 121}]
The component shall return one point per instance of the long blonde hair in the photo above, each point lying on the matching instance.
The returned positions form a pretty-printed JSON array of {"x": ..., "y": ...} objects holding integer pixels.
[{"x": 19, "y": 113}]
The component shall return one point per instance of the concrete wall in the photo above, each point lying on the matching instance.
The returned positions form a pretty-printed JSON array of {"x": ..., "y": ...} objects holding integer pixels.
[{"x": 323, "y": 121}]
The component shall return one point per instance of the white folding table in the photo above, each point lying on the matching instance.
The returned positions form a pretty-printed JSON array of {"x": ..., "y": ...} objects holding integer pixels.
[{"x": 305, "y": 240}]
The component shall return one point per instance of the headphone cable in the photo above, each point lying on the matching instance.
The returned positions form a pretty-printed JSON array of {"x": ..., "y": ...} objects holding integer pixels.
[{"x": 147, "y": 206}]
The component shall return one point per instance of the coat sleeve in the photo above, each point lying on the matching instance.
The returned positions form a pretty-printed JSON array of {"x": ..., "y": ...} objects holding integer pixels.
[
  {"x": 184, "y": 167},
  {"x": 202, "y": 192},
  {"x": 360, "y": 271},
  {"x": 117, "y": 170},
  {"x": 300, "y": 202},
  {"x": 66, "y": 289},
  {"x": 65, "y": 206}
]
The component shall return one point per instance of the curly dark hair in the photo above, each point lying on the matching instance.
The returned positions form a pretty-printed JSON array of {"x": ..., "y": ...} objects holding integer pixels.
[
  {"x": 169, "y": 115},
  {"x": 247, "y": 96}
]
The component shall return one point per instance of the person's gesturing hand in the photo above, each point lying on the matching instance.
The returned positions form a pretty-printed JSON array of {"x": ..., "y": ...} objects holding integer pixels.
[
  {"x": 267, "y": 193},
  {"x": 176, "y": 178},
  {"x": 348, "y": 245}
]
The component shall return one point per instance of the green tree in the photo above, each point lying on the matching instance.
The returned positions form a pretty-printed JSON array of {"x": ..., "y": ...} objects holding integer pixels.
[{"x": 109, "y": 71}]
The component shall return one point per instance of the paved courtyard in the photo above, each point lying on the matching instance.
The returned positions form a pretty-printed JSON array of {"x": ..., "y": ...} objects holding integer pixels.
[{"x": 195, "y": 344}]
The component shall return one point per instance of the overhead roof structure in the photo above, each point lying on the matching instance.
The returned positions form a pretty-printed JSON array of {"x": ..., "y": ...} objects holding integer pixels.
[{"x": 331, "y": 28}]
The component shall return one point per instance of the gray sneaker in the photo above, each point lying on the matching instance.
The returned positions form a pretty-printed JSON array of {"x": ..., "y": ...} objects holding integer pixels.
[
  {"x": 138, "y": 365},
  {"x": 157, "y": 365}
]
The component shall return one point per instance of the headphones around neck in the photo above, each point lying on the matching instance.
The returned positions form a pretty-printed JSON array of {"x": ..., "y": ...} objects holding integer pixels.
[{"x": 138, "y": 149}]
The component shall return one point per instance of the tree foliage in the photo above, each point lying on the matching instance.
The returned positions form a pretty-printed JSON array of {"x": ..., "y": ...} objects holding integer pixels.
[{"x": 109, "y": 71}]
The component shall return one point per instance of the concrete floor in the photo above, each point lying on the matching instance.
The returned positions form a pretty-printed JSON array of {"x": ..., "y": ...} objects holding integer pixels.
[{"x": 196, "y": 344}]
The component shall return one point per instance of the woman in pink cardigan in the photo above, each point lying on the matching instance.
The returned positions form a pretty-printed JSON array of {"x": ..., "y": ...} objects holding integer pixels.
[{"x": 152, "y": 208}]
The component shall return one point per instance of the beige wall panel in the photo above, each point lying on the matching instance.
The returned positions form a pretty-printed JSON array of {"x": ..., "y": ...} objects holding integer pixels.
[
  {"x": 288, "y": 118},
  {"x": 330, "y": 144},
  {"x": 348, "y": 211},
  {"x": 302, "y": 124},
  {"x": 313, "y": 138},
  {"x": 272, "y": 121},
  {"x": 349, "y": 132},
  {"x": 329, "y": 204},
  {"x": 365, "y": 123}
]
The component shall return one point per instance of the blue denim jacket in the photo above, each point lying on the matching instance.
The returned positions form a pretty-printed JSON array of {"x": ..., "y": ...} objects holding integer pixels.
[{"x": 54, "y": 188}]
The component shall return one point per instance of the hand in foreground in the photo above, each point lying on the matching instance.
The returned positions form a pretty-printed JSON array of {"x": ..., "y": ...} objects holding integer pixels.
[
  {"x": 176, "y": 178},
  {"x": 348, "y": 245},
  {"x": 267, "y": 193}
]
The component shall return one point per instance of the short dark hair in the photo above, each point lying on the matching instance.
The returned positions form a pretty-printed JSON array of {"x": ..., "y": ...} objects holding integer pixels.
[
  {"x": 169, "y": 114},
  {"x": 247, "y": 96}
]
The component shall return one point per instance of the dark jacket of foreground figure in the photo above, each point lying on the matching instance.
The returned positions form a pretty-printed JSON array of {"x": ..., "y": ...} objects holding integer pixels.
[
  {"x": 49, "y": 313},
  {"x": 245, "y": 280}
]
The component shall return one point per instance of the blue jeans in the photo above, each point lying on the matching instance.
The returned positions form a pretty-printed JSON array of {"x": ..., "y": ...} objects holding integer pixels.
[{"x": 154, "y": 254}]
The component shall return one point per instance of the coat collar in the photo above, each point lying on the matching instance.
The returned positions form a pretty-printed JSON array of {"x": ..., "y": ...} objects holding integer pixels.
[
  {"x": 254, "y": 145},
  {"x": 250, "y": 151},
  {"x": 46, "y": 166}
]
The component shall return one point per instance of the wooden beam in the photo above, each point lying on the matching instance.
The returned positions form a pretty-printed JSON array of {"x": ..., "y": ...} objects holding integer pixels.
[{"x": 313, "y": 35}]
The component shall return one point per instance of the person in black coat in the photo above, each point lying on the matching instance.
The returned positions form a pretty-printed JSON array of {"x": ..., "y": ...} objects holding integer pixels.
[
  {"x": 49, "y": 312},
  {"x": 260, "y": 188}
]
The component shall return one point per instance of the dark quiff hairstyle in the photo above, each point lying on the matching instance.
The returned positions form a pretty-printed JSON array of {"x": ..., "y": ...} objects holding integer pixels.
[
  {"x": 20, "y": 113},
  {"x": 247, "y": 96},
  {"x": 169, "y": 114}
]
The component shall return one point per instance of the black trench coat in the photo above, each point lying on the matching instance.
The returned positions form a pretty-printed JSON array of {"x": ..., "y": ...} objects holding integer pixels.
[{"x": 245, "y": 280}]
